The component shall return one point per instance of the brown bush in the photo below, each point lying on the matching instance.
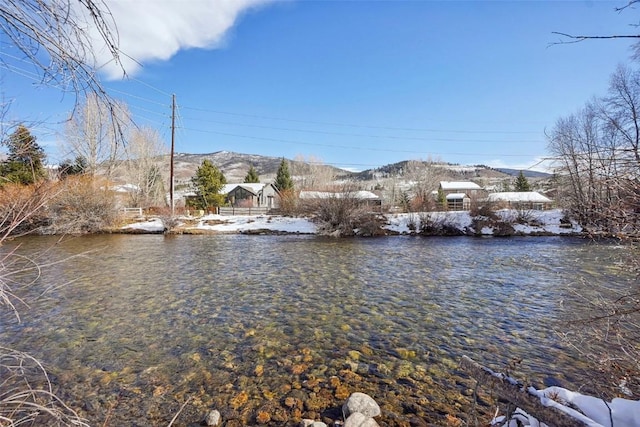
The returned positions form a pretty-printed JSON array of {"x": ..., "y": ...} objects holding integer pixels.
[
  {"x": 288, "y": 202},
  {"x": 84, "y": 205},
  {"x": 22, "y": 207},
  {"x": 343, "y": 214},
  {"x": 483, "y": 210}
]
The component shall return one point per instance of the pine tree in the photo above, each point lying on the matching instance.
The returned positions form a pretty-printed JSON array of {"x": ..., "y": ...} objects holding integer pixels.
[
  {"x": 25, "y": 158},
  {"x": 77, "y": 167},
  {"x": 252, "y": 176},
  {"x": 442, "y": 199},
  {"x": 404, "y": 201},
  {"x": 521, "y": 183},
  {"x": 208, "y": 182},
  {"x": 283, "y": 177}
]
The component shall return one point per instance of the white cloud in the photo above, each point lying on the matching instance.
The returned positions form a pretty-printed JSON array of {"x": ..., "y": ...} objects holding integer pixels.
[{"x": 152, "y": 30}]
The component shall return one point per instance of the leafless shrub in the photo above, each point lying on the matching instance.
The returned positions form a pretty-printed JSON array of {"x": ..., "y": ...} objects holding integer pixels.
[
  {"x": 342, "y": 213},
  {"x": 22, "y": 207},
  {"x": 169, "y": 221},
  {"x": 85, "y": 205},
  {"x": 525, "y": 216},
  {"x": 413, "y": 223},
  {"x": 288, "y": 202},
  {"x": 484, "y": 210},
  {"x": 436, "y": 224},
  {"x": 485, "y": 217}
]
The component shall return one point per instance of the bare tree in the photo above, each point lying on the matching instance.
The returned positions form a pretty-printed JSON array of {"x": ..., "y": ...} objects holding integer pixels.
[
  {"x": 144, "y": 166},
  {"x": 424, "y": 178},
  {"x": 95, "y": 134},
  {"x": 598, "y": 159},
  {"x": 311, "y": 173},
  {"x": 622, "y": 112}
]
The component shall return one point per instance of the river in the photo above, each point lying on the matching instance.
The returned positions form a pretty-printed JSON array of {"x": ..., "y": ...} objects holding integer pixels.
[{"x": 131, "y": 327}]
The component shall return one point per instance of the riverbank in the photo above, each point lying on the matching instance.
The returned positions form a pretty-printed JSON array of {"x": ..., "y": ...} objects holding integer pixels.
[{"x": 462, "y": 223}]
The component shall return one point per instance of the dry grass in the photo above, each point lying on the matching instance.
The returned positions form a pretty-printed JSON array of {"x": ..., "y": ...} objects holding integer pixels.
[{"x": 27, "y": 396}]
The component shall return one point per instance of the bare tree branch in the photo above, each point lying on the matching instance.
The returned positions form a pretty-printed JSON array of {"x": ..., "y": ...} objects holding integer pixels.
[
  {"x": 578, "y": 38},
  {"x": 59, "y": 40}
]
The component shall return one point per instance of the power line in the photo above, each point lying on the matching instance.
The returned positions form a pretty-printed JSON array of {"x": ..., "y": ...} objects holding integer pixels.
[
  {"x": 319, "y": 132},
  {"x": 360, "y": 125},
  {"x": 342, "y": 146}
]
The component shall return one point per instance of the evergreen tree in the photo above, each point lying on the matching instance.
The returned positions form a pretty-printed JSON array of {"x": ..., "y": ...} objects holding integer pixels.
[
  {"x": 442, "y": 198},
  {"x": 521, "y": 183},
  {"x": 25, "y": 158},
  {"x": 77, "y": 167},
  {"x": 404, "y": 201},
  {"x": 283, "y": 177},
  {"x": 252, "y": 176},
  {"x": 208, "y": 182}
]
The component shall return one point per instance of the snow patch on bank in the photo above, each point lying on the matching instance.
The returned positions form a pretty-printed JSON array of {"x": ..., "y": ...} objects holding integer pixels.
[
  {"x": 537, "y": 222},
  {"x": 239, "y": 224}
]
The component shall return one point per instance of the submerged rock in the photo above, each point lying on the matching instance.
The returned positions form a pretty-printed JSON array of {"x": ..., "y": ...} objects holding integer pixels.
[
  {"x": 359, "y": 420},
  {"x": 212, "y": 418},
  {"x": 361, "y": 403},
  {"x": 311, "y": 423}
]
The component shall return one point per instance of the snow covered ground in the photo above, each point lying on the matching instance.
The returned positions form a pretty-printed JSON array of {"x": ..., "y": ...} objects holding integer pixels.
[
  {"x": 537, "y": 222},
  {"x": 591, "y": 411}
]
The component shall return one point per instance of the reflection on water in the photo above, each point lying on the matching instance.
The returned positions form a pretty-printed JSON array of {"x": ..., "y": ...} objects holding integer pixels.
[{"x": 132, "y": 326}]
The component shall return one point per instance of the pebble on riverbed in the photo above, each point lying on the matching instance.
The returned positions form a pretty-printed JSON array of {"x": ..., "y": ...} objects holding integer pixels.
[
  {"x": 212, "y": 418},
  {"x": 359, "y": 409}
]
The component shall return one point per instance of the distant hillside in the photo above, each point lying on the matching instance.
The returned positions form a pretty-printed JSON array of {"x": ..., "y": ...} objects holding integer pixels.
[
  {"x": 526, "y": 173},
  {"x": 447, "y": 171},
  {"x": 236, "y": 165}
]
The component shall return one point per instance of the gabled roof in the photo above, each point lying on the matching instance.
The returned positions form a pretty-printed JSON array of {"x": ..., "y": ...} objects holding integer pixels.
[
  {"x": 518, "y": 196},
  {"x": 254, "y": 188},
  {"x": 459, "y": 185}
]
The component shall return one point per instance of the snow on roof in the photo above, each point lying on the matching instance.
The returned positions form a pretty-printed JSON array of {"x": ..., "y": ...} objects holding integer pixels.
[
  {"x": 459, "y": 185},
  {"x": 455, "y": 196},
  {"x": 361, "y": 195},
  {"x": 124, "y": 188},
  {"x": 518, "y": 196}
]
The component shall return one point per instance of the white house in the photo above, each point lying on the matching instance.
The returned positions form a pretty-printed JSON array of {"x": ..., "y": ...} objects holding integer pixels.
[
  {"x": 459, "y": 194},
  {"x": 520, "y": 200}
]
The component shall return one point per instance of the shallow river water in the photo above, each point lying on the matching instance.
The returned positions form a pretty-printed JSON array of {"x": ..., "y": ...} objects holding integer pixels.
[{"x": 272, "y": 329}]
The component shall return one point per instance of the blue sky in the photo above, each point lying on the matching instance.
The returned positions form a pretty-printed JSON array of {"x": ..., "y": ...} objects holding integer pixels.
[{"x": 356, "y": 84}]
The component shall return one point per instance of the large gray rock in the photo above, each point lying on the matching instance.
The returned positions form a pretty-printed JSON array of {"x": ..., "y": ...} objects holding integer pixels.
[
  {"x": 362, "y": 403},
  {"x": 359, "y": 420},
  {"x": 311, "y": 423}
]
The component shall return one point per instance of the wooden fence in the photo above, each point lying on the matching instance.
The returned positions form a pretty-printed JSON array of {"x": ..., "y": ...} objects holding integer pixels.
[
  {"x": 132, "y": 212},
  {"x": 242, "y": 211}
]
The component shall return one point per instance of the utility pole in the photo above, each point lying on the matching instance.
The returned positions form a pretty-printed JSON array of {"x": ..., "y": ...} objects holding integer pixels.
[{"x": 173, "y": 138}]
